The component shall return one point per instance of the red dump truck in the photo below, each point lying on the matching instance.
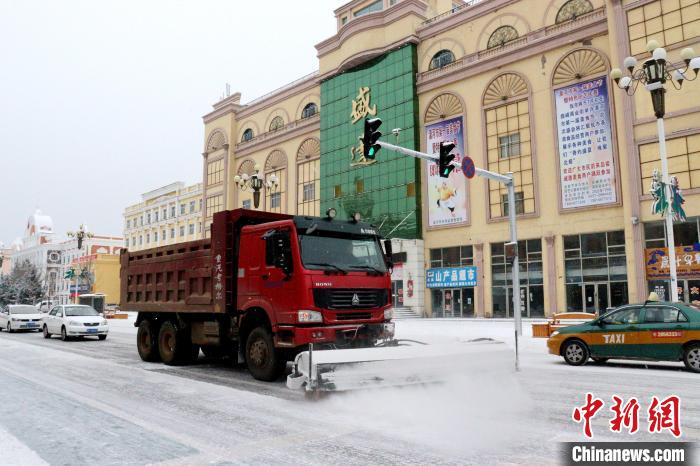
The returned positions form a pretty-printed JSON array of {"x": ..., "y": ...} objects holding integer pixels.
[{"x": 261, "y": 289}]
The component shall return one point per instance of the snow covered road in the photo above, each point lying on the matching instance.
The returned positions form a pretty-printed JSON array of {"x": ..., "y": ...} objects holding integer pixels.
[{"x": 90, "y": 402}]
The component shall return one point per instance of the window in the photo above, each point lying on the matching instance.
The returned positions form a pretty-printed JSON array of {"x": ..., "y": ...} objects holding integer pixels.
[
  {"x": 502, "y": 36},
  {"x": 155, "y": 236},
  {"x": 141, "y": 220},
  {"x": 411, "y": 189},
  {"x": 182, "y": 230},
  {"x": 519, "y": 203},
  {"x": 573, "y": 9},
  {"x": 662, "y": 315},
  {"x": 215, "y": 204},
  {"x": 683, "y": 161},
  {"x": 200, "y": 205},
  {"x": 625, "y": 316},
  {"x": 509, "y": 150},
  {"x": 163, "y": 235},
  {"x": 126, "y": 243},
  {"x": 156, "y": 215},
  {"x": 276, "y": 123},
  {"x": 191, "y": 229},
  {"x": 309, "y": 192},
  {"x": 172, "y": 233},
  {"x": 455, "y": 256},
  {"x": 359, "y": 186},
  {"x": 509, "y": 145},
  {"x": 371, "y": 8},
  {"x": 192, "y": 204},
  {"x": 128, "y": 224},
  {"x": 148, "y": 238},
  {"x": 309, "y": 110},
  {"x": 172, "y": 211},
  {"x": 247, "y": 135},
  {"x": 337, "y": 191},
  {"x": 344, "y": 20},
  {"x": 275, "y": 200},
  {"x": 440, "y": 59},
  {"x": 531, "y": 279},
  {"x": 246, "y": 204},
  {"x": 667, "y": 21},
  {"x": 182, "y": 209},
  {"x": 215, "y": 172},
  {"x": 308, "y": 179},
  {"x": 165, "y": 213},
  {"x": 148, "y": 218}
]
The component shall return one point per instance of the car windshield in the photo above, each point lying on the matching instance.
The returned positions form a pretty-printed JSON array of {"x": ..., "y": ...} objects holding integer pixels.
[
  {"x": 22, "y": 310},
  {"x": 72, "y": 311},
  {"x": 322, "y": 251}
]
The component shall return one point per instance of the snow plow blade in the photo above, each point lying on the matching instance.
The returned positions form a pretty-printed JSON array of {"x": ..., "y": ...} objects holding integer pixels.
[{"x": 393, "y": 366}]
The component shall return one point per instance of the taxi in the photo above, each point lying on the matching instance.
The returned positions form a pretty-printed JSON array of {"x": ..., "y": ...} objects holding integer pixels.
[{"x": 655, "y": 331}]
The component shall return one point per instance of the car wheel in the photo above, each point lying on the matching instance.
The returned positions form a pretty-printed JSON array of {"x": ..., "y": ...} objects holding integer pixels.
[
  {"x": 147, "y": 341},
  {"x": 64, "y": 334},
  {"x": 263, "y": 361},
  {"x": 102, "y": 337},
  {"x": 691, "y": 357},
  {"x": 46, "y": 332},
  {"x": 575, "y": 353},
  {"x": 599, "y": 360}
]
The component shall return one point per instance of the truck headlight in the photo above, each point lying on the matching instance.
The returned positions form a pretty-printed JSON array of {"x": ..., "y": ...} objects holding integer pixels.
[
  {"x": 388, "y": 314},
  {"x": 309, "y": 316}
]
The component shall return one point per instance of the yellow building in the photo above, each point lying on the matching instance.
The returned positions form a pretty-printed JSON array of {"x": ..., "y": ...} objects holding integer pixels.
[
  {"x": 167, "y": 215},
  {"x": 520, "y": 86},
  {"x": 98, "y": 274}
]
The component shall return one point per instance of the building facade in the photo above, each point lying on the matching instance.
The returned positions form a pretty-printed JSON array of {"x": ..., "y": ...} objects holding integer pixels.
[
  {"x": 96, "y": 273},
  {"x": 520, "y": 86},
  {"x": 167, "y": 215}
]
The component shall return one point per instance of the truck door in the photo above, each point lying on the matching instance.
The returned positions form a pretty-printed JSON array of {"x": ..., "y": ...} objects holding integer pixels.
[{"x": 277, "y": 285}]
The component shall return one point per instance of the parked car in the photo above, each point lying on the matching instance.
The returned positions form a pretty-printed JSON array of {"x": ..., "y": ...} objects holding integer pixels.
[
  {"x": 20, "y": 317},
  {"x": 655, "y": 330},
  {"x": 44, "y": 306},
  {"x": 74, "y": 320}
]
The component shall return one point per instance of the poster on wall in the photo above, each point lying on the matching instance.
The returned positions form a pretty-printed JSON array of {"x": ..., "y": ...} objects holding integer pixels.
[
  {"x": 447, "y": 197},
  {"x": 586, "y": 163}
]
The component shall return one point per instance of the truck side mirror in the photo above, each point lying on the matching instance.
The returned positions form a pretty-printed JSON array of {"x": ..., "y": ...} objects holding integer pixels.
[{"x": 389, "y": 253}]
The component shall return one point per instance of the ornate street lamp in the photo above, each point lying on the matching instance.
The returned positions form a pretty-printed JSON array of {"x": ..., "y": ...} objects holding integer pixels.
[
  {"x": 255, "y": 182},
  {"x": 80, "y": 235},
  {"x": 654, "y": 74}
]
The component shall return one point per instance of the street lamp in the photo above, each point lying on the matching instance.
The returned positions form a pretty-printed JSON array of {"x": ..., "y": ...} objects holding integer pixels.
[
  {"x": 654, "y": 73},
  {"x": 80, "y": 235},
  {"x": 256, "y": 182}
]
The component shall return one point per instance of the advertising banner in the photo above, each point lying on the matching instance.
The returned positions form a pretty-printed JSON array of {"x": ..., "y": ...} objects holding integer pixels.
[
  {"x": 659, "y": 267},
  {"x": 450, "y": 277},
  {"x": 447, "y": 197},
  {"x": 586, "y": 163}
]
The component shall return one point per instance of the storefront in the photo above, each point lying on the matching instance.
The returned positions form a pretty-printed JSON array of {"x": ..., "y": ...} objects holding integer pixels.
[
  {"x": 452, "y": 301},
  {"x": 596, "y": 271},
  {"x": 452, "y": 290},
  {"x": 658, "y": 268},
  {"x": 531, "y": 280}
]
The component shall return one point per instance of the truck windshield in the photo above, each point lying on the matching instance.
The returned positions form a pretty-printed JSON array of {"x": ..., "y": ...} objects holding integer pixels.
[{"x": 341, "y": 253}]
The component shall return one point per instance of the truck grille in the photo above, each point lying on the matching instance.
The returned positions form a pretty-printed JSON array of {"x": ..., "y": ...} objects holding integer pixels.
[
  {"x": 354, "y": 316},
  {"x": 342, "y": 298}
]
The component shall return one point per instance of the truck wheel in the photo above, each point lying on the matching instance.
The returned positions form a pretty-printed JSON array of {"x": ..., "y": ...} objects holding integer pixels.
[
  {"x": 691, "y": 357},
  {"x": 147, "y": 341},
  {"x": 175, "y": 346},
  {"x": 575, "y": 353},
  {"x": 263, "y": 361}
]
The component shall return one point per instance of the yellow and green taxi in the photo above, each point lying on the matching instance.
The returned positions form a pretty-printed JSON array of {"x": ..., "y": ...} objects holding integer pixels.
[{"x": 658, "y": 331}]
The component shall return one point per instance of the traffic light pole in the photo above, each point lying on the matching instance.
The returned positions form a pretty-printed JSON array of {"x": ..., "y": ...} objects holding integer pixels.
[{"x": 507, "y": 180}]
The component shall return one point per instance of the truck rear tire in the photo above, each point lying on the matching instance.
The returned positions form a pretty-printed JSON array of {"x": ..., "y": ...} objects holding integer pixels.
[
  {"x": 263, "y": 361},
  {"x": 175, "y": 345},
  {"x": 147, "y": 341}
]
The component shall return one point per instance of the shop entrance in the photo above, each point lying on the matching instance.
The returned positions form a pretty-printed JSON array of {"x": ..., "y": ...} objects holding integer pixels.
[
  {"x": 688, "y": 290},
  {"x": 453, "y": 302},
  {"x": 397, "y": 293},
  {"x": 596, "y": 297},
  {"x": 531, "y": 302}
]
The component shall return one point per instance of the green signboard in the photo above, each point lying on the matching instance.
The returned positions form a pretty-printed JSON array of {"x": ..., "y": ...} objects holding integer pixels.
[{"x": 386, "y": 190}]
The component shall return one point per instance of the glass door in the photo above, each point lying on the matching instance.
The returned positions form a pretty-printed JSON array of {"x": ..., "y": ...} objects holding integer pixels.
[
  {"x": 448, "y": 303},
  {"x": 596, "y": 297},
  {"x": 524, "y": 302},
  {"x": 467, "y": 302}
]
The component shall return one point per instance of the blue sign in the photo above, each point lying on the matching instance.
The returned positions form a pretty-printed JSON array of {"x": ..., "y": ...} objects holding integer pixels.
[
  {"x": 468, "y": 167},
  {"x": 450, "y": 277}
]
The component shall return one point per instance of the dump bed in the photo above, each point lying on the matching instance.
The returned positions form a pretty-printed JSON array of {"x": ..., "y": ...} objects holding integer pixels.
[{"x": 195, "y": 276}]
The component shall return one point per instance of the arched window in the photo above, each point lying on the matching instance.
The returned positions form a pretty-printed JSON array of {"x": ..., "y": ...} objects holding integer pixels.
[
  {"x": 573, "y": 9},
  {"x": 308, "y": 177},
  {"x": 276, "y": 123},
  {"x": 309, "y": 110},
  {"x": 440, "y": 59},
  {"x": 507, "y": 116},
  {"x": 247, "y": 135},
  {"x": 501, "y": 36},
  {"x": 276, "y": 164},
  {"x": 216, "y": 140}
]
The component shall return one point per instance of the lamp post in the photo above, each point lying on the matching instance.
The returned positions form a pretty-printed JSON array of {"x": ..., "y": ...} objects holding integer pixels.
[
  {"x": 256, "y": 183},
  {"x": 654, "y": 73},
  {"x": 81, "y": 234}
]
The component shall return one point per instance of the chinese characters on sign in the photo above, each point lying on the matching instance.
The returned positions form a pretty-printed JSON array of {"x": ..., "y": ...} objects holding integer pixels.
[
  {"x": 447, "y": 197},
  {"x": 455, "y": 277},
  {"x": 586, "y": 163},
  {"x": 687, "y": 262},
  {"x": 360, "y": 109},
  {"x": 218, "y": 283},
  {"x": 661, "y": 415}
]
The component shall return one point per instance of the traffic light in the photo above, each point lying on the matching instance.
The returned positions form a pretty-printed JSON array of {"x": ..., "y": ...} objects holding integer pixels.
[
  {"x": 370, "y": 137},
  {"x": 445, "y": 158}
]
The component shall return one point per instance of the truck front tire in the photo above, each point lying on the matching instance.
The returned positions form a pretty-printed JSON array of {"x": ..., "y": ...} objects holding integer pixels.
[
  {"x": 147, "y": 341},
  {"x": 263, "y": 361}
]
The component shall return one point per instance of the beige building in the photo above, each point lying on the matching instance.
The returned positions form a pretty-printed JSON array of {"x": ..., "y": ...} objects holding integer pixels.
[
  {"x": 520, "y": 86},
  {"x": 167, "y": 215}
]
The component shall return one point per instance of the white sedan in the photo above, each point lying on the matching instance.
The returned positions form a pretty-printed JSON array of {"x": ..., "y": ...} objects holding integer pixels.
[
  {"x": 74, "y": 320},
  {"x": 20, "y": 317}
]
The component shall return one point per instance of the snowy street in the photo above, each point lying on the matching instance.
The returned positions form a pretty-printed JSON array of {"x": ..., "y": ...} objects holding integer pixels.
[{"x": 92, "y": 402}]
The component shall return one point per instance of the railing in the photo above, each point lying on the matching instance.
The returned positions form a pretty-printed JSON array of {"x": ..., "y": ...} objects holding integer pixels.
[
  {"x": 451, "y": 12},
  {"x": 270, "y": 134},
  {"x": 281, "y": 89},
  {"x": 537, "y": 35}
]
